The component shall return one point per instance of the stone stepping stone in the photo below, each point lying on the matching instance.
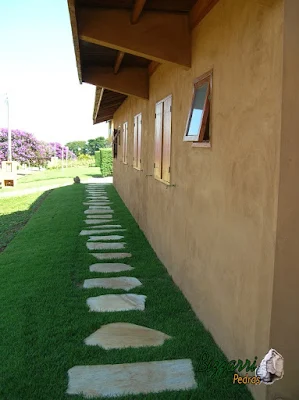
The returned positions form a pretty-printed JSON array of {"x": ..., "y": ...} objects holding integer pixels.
[
  {"x": 96, "y": 221},
  {"x": 105, "y": 231},
  {"x": 116, "y": 302},
  {"x": 111, "y": 256},
  {"x": 97, "y": 193},
  {"x": 105, "y": 246},
  {"x": 109, "y": 237},
  {"x": 96, "y": 216},
  {"x": 122, "y": 282},
  {"x": 130, "y": 379},
  {"x": 99, "y": 218},
  {"x": 88, "y": 232},
  {"x": 99, "y": 208},
  {"x": 122, "y": 335},
  {"x": 107, "y": 226},
  {"x": 99, "y": 201},
  {"x": 96, "y": 211},
  {"x": 110, "y": 267}
]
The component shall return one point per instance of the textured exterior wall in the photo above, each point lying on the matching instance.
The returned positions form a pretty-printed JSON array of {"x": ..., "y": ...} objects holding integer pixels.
[{"x": 215, "y": 230}]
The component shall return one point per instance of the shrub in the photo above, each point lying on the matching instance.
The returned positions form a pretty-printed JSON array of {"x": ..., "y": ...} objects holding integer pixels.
[
  {"x": 106, "y": 162},
  {"x": 97, "y": 156}
]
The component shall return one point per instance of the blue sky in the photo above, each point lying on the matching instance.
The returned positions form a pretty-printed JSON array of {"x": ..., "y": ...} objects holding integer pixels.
[{"x": 38, "y": 70}]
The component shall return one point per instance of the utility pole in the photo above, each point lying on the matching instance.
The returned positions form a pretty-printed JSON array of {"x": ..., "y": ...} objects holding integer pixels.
[{"x": 9, "y": 155}]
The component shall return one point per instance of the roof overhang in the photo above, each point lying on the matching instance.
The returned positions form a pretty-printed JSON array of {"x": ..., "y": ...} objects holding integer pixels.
[{"x": 120, "y": 43}]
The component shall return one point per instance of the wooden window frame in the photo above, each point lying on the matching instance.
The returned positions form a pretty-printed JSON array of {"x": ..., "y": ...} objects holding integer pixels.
[
  {"x": 197, "y": 83},
  {"x": 137, "y": 162},
  {"x": 161, "y": 177}
]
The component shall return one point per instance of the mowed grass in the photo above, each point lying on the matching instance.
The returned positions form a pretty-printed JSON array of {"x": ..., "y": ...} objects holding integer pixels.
[
  {"x": 45, "y": 319},
  {"x": 53, "y": 177},
  {"x": 15, "y": 213}
]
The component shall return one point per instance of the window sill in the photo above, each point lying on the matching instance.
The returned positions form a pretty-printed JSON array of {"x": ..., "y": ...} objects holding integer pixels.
[
  {"x": 206, "y": 145},
  {"x": 125, "y": 163},
  {"x": 164, "y": 182},
  {"x": 138, "y": 169}
]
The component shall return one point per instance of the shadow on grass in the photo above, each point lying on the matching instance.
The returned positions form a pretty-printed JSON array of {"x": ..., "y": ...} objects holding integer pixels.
[{"x": 12, "y": 222}]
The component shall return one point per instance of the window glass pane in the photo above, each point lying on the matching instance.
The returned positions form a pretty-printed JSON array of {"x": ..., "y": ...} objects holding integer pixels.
[{"x": 197, "y": 111}]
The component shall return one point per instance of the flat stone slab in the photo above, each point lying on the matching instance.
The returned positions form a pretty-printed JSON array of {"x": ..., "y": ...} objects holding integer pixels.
[
  {"x": 109, "y": 237},
  {"x": 122, "y": 335},
  {"x": 111, "y": 256},
  {"x": 96, "y": 221},
  {"x": 122, "y": 282},
  {"x": 110, "y": 267},
  {"x": 105, "y": 246},
  {"x": 97, "y": 211},
  {"x": 116, "y": 302},
  {"x": 97, "y": 197},
  {"x": 130, "y": 379},
  {"x": 98, "y": 230},
  {"x": 98, "y": 201},
  {"x": 91, "y": 207}
]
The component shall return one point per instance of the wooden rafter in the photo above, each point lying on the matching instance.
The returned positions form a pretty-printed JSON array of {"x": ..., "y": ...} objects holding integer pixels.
[
  {"x": 97, "y": 103},
  {"x": 133, "y": 81},
  {"x": 137, "y": 10},
  {"x": 169, "y": 39},
  {"x": 118, "y": 61}
]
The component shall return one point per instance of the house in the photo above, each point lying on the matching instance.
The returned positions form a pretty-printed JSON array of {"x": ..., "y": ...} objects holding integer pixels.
[{"x": 204, "y": 98}]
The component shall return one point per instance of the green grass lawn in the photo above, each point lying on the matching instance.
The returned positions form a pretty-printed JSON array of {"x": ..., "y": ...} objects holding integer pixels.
[
  {"x": 44, "y": 316},
  {"x": 15, "y": 213},
  {"x": 53, "y": 177}
]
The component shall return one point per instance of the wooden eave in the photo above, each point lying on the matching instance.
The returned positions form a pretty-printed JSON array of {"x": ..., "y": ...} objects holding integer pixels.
[{"x": 120, "y": 43}]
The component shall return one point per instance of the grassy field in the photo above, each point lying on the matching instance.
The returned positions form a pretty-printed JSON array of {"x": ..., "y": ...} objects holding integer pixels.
[
  {"x": 15, "y": 213},
  {"x": 53, "y": 177},
  {"x": 44, "y": 317}
]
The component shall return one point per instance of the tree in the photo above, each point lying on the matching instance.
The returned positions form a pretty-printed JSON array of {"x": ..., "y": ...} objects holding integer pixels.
[
  {"x": 25, "y": 148},
  {"x": 77, "y": 147},
  {"x": 95, "y": 145},
  {"x": 57, "y": 149}
]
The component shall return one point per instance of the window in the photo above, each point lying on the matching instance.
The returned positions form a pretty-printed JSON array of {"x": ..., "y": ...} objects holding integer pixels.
[
  {"x": 137, "y": 141},
  {"x": 125, "y": 142},
  {"x": 198, "y": 124},
  {"x": 163, "y": 139},
  {"x": 116, "y": 134}
]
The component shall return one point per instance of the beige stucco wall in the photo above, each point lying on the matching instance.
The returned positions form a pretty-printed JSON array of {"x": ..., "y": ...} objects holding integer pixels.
[{"x": 215, "y": 230}]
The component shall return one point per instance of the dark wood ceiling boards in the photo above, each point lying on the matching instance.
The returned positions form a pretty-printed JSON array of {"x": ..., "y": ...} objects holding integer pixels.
[{"x": 120, "y": 43}]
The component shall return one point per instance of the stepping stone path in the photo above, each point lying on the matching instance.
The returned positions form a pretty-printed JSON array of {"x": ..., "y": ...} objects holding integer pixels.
[
  {"x": 122, "y": 335},
  {"x": 123, "y": 282},
  {"x": 97, "y": 221},
  {"x": 116, "y": 302},
  {"x": 97, "y": 211},
  {"x": 98, "y": 231},
  {"x": 111, "y": 237},
  {"x": 96, "y": 216},
  {"x": 129, "y": 378},
  {"x": 105, "y": 246},
  {"x": 111, "y": 256},
  {"x": 110, "y": 267}
]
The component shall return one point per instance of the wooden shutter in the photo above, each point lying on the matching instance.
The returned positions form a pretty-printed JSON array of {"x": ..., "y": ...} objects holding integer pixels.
[
  {"x": 158, "y": 141},
  {"x": 125, "y": 141},
  {"x": 166, "y": 146},
  {"x": 139, "y": 141},
  {"x": 135, "y": 153}
]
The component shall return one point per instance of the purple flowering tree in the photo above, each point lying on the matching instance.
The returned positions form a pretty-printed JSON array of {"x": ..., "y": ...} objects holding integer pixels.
[
  {"x": 27, "y": 149},
  {"x": 58, "y": 149}
]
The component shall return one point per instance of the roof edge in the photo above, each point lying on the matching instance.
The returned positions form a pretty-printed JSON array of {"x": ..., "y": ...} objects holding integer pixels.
[{"x": 74, "y": 26}]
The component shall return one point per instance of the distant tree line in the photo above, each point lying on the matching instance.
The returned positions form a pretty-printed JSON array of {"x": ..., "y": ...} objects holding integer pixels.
[{"x": 88, "y": 148}]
